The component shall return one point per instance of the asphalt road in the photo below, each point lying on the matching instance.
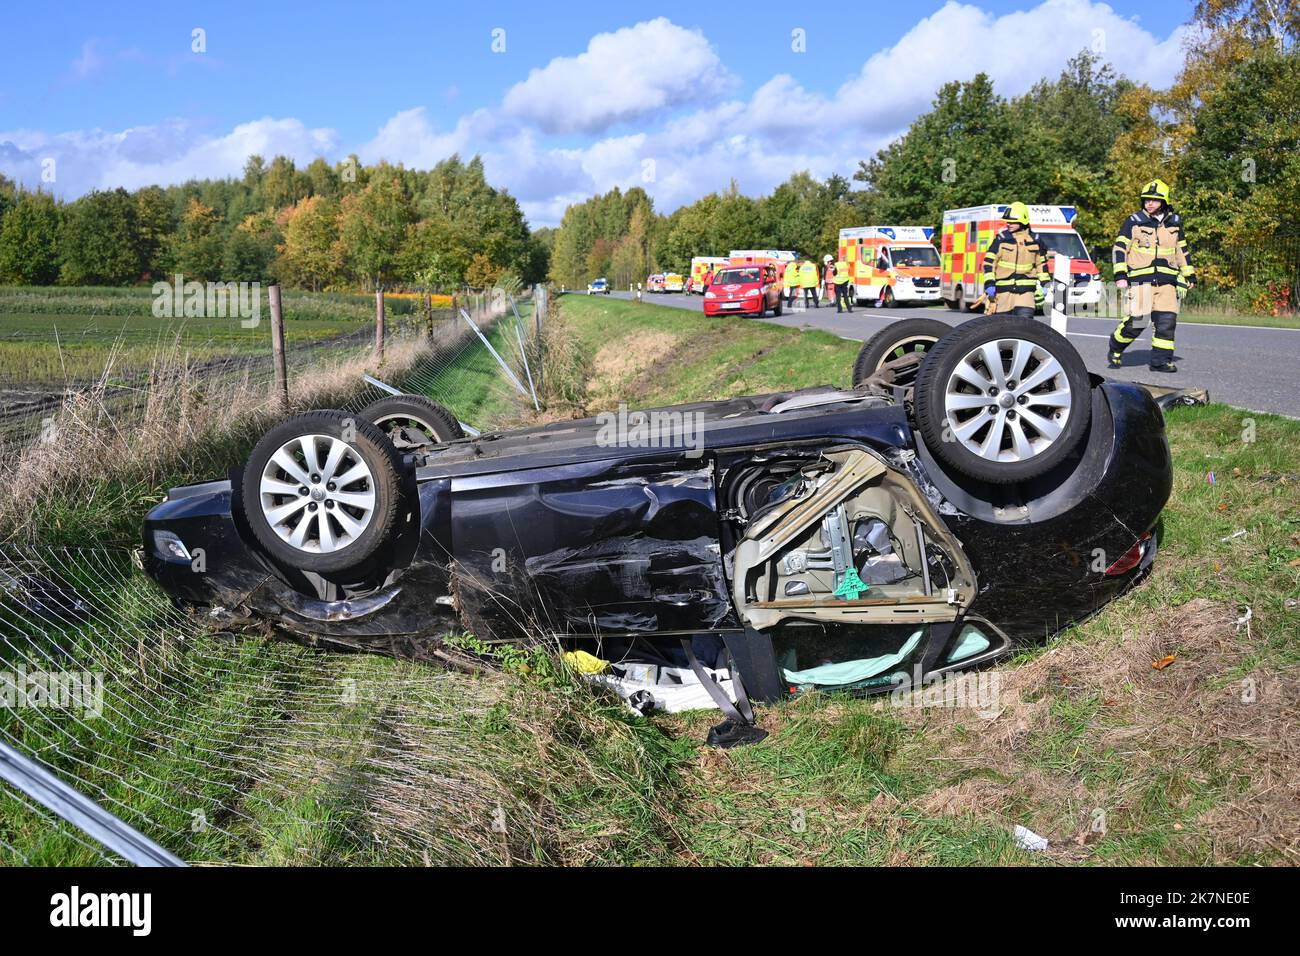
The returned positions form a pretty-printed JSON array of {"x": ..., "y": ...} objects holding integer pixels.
[{"x": 1251, "y": 367}]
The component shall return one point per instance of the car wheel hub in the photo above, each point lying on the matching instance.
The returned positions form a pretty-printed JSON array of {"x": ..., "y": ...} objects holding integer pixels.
[
  {"x": 993, "y": 379},
  {"x": 333, "y": 474}
]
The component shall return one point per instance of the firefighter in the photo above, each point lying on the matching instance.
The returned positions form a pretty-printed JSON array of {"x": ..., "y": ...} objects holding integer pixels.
[
  {"x": 844, "y": 291},
  {"x": 1154, "y": 269},
  {"x": 808, "y": 279},
  {"x": 1014, "y": 265},
  {"x": 790, "y": 281}
]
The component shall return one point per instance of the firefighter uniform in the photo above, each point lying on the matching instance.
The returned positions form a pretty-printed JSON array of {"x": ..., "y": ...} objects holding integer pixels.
[
  {"x": 808, "y": 279},
  {"x": 844, "y": 292},
  {"x": 1150, "y": 253},
  {"x": 1014, "y": 265},
  {"x": 790, "y": 282}
]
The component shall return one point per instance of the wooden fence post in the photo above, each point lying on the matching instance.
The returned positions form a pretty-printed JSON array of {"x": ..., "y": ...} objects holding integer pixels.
[
  {"x": 281, "y": 389},
  {"x": 379, "y": 323},
  {"x": 428, "y": 315}
]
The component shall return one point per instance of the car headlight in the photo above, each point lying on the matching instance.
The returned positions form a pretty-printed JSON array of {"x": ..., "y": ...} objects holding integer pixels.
[
  {"x": 753, "y": 292},
  {"x": 170, "y": 548},
  {"x": 710, "y": 295}
]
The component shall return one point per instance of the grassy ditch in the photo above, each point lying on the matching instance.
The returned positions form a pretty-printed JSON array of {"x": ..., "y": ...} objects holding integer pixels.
[{"x": 294, "y": 755}]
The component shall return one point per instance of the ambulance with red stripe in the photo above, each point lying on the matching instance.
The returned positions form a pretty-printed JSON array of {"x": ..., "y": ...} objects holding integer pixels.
[
  {"x": 700, "y": 267},
  {"x": 966, "y": 235},
  {"x": 892, "y": 264},
  {"x": 778, "y": 258}
]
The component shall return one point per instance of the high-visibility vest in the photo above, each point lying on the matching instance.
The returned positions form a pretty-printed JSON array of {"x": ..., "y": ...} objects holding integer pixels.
[
  {"x": 841, "y": 272},
  {"x": 808, "y": 275},
  {"x": 790, "y": 277}
]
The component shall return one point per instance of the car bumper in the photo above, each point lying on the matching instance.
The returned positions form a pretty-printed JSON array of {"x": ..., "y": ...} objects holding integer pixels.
[{"x": 734, "y": 307}]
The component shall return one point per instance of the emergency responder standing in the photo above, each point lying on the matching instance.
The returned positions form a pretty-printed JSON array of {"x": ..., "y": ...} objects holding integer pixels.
[
  {"x": 707, "y": 280},
  {"x": 1014, "y": 265},
  {"x": 828, "y": 278},
  {"x": 808, "y": 280},
  {"x": 844, "y": 291},
  {"x": 1153, "y": 272},
  {"x": 790, "y": 281}
]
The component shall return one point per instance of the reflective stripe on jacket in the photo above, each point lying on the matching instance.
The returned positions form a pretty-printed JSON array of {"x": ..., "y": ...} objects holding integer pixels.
[
  {"x": 1152, "y": 249},
  {"x": 1014, "y": 262}
]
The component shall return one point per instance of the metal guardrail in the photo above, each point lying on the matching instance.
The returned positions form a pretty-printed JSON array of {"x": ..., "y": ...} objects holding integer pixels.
[{"x": 39, "y": 783}]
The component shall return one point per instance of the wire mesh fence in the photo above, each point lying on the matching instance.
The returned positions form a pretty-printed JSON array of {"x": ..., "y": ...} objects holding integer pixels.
[{"x": 235, "y": 746}]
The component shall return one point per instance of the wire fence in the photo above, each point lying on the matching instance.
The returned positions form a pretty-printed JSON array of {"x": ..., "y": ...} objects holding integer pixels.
[{"x": 235, "y": 746}]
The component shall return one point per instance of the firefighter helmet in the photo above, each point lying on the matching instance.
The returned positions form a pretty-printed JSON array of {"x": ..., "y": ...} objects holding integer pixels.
[
  {"x": 1017, "y": 212},
  {"x": 1156, "y": 189}
]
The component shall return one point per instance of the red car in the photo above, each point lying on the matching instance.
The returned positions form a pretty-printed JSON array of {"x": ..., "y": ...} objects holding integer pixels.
[{"x": 744, "y": 290}]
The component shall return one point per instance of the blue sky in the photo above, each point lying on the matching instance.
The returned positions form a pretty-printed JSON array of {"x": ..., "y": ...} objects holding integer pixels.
[{"x": 582, "y": 97}]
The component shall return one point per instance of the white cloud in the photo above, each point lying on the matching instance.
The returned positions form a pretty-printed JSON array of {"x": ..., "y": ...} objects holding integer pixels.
[
  {"x": 89, "y": 62},
  {"x": 624, "y": 75},
  {"x": 1015, "y": 50},
  {"x": 164, "y": 154},
  {"x": 650, "y": 72}
]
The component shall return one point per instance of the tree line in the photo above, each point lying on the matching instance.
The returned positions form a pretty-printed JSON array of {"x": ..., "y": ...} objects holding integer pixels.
[
  {"x": 319, "y": 227},
  {"x": 1225, "y": 135}
]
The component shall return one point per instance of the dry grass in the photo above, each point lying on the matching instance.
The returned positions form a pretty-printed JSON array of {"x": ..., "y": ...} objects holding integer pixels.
[
  {"x": 1083, "y": 730},
  {"x": 182, "y": 421}
]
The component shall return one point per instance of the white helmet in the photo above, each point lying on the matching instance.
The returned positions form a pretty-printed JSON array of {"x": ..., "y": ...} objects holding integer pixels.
[{"x": 826, "y": 258}]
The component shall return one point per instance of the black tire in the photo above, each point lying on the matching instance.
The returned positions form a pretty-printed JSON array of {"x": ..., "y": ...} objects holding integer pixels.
[
  {"x": 381, "y": 484},
  {"x": 894, "y": 341},
  {"x": 952, "y": 304},
  {"x": 407, "y": 419},
  {"x": 890, "y": 301},
  {"x": 780, "y": 306},
  {"x": 1062, "y": 400}
]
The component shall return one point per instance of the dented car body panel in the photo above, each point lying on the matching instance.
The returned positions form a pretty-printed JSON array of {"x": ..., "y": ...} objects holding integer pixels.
[{"x": 578, "y": 530}]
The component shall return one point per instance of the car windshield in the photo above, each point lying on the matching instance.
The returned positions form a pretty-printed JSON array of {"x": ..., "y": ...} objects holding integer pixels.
[
  {"x": 732, "y": 276},
  {"x": 1064, "y": 243},
  {"x": 914, "y": 256}
]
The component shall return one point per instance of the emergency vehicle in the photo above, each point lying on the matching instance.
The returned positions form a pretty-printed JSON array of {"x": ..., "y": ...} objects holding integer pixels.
[
  {"x": 779, "y": 258},
  {"x": 700, "y": 267},
  {"x": 967, "y": 233},
  {"x": 891, "y": 264},
  {"x": 674, "y": 282}
]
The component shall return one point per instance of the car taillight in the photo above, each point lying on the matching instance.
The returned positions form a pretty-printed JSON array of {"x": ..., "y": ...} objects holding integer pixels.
[{"x": 1131, "y": 558}]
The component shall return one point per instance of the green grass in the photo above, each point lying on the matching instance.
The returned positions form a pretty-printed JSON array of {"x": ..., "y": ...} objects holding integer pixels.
[
  {"x": 859, "y": 773},
  {"x": 312, "y": 780},
  {"x": 52, "y": 336}
]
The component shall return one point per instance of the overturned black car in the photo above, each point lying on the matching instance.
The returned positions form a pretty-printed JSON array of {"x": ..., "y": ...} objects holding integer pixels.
[{"x": 963, "y": 497}]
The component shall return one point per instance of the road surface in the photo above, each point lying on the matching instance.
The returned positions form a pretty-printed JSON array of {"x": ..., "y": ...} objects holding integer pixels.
[{"x": 1251, "y": 367}]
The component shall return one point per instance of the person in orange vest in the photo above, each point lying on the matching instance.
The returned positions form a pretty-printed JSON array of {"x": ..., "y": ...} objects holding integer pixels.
[{"x": 707, "y": 280}]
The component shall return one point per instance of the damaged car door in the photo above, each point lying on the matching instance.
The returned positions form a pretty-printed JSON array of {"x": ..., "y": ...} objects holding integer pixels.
[
  {"x": 619, "y": 546},
  {"x": 853, "y": 541}
]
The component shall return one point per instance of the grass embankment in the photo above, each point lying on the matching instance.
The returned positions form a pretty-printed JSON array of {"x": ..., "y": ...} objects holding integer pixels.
[
  {"x": 307, "y": 757},
  {"x": 1114, "y": 761}
]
